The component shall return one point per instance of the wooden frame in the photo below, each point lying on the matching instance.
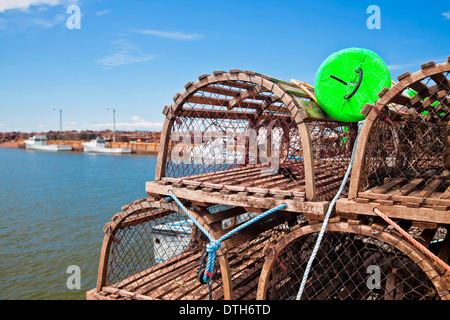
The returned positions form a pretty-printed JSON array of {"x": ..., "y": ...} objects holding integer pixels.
[{"x": 434, "y": 272}]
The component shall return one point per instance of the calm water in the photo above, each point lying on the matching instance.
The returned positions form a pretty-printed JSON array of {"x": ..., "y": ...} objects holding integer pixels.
[{"x": 53, "y": 208}]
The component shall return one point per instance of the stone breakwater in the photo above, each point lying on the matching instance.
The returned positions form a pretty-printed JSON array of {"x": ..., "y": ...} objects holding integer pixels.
[
  {"x": 9, "y": 144},
  {"x": 139, "y": 148}
]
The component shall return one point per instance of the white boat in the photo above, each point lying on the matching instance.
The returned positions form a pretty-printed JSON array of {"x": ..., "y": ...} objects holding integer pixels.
[
  {"x": 216, "y": 152},
  {"x": 40, "y": 143},
  {"x": 99, "y": 145},
  {"x": 170, "y": 239}
]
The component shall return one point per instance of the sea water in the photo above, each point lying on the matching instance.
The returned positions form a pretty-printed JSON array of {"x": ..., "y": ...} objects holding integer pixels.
[{"x": 53, "y": 206}]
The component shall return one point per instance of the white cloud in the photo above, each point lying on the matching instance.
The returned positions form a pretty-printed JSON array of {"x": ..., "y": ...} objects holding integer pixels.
[
  {"x": 25, "y": 4},
  {"x": 118, "y": 59},
  {"x": 101, "y": 13},
  {"x": 123, "y": 52},
  {"x": 58, "y": 19},
  {"x": 402, "y": 66},
  {"x": 137, "y": 124},
  {"x": 176, "y": 35},
  {"x": 446, "y": 15},
  {"x": 416, "y": 65}
]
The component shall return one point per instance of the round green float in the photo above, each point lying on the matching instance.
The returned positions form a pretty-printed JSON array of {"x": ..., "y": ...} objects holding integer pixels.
[{"x": 347, "y": 80}]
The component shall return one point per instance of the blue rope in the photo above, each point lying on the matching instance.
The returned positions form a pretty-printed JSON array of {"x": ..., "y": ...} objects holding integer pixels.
[
  {"x": 327, "y": 216},
  {"x": 214, "y": 244}
]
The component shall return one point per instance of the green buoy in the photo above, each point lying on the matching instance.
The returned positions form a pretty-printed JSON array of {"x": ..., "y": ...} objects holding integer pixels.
[{"x": 347, "y": 80}]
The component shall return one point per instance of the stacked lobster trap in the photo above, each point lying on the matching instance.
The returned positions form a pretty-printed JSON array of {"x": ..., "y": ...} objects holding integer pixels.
[{"x": 236, "y": 144}]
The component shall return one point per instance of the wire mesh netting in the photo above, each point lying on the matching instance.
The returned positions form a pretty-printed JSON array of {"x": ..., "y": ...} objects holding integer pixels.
[
  {"x": 332, "y": 150},
  {"x": 349, "y": 266},
  {"x": 151, "y": 247}
]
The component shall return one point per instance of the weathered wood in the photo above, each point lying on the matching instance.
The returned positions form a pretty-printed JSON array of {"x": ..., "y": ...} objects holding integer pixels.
[
  {"x": 316, "y": 207},
  {"x": 229, "y": 187},
  {"x": 231, "y": 114},
  {"x": 389, "y": 290},
  {"x": 225, "y": 214},
  {"x": 163, "y": 148},
  {"x": 395, "y": 211}
]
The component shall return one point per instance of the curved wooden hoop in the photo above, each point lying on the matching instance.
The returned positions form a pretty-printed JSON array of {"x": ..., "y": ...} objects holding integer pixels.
[{"x": 431, "y": 269}]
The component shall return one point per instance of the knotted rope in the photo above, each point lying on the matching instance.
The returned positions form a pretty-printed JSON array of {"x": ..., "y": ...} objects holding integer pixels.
[{"x": 214, "y": 244}]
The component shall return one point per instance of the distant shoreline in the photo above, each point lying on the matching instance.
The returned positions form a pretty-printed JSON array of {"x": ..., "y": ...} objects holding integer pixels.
[{"x": 140, "y": 141}]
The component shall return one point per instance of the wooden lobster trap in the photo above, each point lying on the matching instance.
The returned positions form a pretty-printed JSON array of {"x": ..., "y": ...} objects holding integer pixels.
[{"x": 234, "y": 144}]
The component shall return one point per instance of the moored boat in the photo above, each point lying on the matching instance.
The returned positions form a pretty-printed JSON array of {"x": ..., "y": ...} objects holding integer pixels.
[
  {"x": 41, "y": 143},
  {"x": 99, "y": 146}
]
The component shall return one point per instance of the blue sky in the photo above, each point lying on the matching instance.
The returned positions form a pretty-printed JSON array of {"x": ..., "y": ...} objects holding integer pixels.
[{"x": 134, "y": 56}]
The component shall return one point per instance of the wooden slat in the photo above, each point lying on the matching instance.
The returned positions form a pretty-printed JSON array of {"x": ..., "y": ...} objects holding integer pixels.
[
  {"x": 206, "y": 176},
  {"x": 266, "y": 223},
  {"x": 381, "y": 192},
  {"x": 420, "y": 87},
  {"x": 395, "y": 211},
  {"x": 406, "y": 189},
  {"x": 231, "y": 93},
  {"x": 235, "y": 175},
  {"x": 224, "y": 103},
  {"x": 242, "y": 187},
  {"x": 388, "y": 186},
  {"x": 441, "y": 79},
  {"x": 143, "y": 278},
  {"x": 419, "y": 196},
  {"x": 446, "y": 194},
  {"x": 154, "y": 281},
  {"x": 219, "y": 102},
  {"x": 232, "y": 114},
  {"x": 225, "y": 214},
  {"x": 141, "y": 218},
  {"x": 401, "y": 99},
  {"x": 317, "y": 207},
  {"x": 248, "y": 94}
]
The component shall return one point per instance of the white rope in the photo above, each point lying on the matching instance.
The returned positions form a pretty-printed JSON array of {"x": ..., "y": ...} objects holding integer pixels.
[{"x": 327, "y": 216}]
